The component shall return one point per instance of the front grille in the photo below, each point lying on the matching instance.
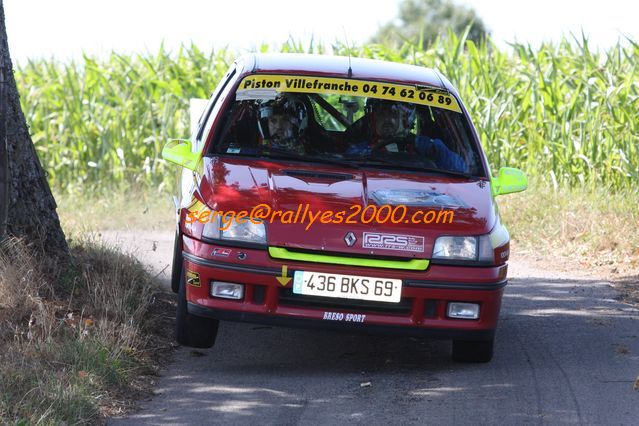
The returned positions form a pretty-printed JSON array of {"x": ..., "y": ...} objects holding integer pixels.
[
  {"x": 258, "y": 294},
  {"x": 430, "y": 308},
  {"x": 288, "y": 298}
]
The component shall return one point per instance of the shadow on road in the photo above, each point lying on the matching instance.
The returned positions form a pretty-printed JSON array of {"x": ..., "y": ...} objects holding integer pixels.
[
  {"x": 566, "y": 352},
  {"x": 629, "y": 288}
]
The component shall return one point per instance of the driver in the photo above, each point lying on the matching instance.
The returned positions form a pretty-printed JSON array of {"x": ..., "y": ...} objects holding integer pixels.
[
  {"x": 282, "y": 123},
  {"x": 386, "y": 126}
]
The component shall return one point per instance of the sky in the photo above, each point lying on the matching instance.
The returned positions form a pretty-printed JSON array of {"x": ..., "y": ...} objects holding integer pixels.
[{"x": 65, "y": 28}]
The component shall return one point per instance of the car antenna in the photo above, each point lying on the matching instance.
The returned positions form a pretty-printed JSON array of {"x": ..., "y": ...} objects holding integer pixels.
[{"x": 348, "y": 49}]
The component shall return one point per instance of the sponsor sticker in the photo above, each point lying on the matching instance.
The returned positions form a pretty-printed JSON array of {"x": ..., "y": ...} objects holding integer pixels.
[
  {"x": 193, "y": 279},
  {"x": 374, "y": 240},
  {"x": 417, "y": 198},
  {"x": 340, "y": 316},
  {"x": 223, "y": 252},
  {"x": 423, "y": 95}
]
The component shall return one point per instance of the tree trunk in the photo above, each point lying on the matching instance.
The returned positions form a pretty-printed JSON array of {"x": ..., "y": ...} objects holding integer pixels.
[{"x": 27, "y": 206}]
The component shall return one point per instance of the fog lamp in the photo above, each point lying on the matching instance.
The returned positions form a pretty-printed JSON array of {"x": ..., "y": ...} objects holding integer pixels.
[
  {"x": 227, "y": 290},
  {"x": 463, "y": 310}
]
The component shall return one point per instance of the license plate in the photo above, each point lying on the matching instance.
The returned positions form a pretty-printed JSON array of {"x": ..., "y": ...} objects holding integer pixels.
[{"x": 347, "y": 286}]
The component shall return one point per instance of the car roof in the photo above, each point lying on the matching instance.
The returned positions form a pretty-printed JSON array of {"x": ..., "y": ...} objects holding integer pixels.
[{"x": 337, "y": 66}]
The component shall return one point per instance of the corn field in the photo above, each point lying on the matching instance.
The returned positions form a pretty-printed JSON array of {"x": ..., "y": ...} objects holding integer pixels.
[{"x": 563, "y": 113}]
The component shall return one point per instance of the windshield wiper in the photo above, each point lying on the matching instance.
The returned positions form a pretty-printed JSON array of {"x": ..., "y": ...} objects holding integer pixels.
[
  {"x": 380, "y": 162},
  {"x": 288, "y": 155},
  {"x": 334, "y": 162}
]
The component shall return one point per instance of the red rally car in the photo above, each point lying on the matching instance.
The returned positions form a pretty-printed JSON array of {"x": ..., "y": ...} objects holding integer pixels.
[{"x": 345, "y": 193}]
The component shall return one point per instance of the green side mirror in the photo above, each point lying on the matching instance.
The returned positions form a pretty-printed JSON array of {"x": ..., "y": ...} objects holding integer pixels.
[
  {"x": 509, "y": 180},
  {"x": 179, "y": 152}
]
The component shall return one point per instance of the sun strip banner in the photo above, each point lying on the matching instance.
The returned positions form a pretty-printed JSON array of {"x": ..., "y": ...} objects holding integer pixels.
[{"x": 423, "y": 95}]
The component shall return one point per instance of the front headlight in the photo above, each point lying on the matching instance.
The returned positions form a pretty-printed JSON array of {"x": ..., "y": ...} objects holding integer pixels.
[
  {"x": 464, "y": 248},
  {"x": 245, "y": 230}
]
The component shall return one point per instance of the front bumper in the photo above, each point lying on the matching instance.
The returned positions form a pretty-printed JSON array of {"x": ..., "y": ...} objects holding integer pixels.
[{"x": 421, "y": 311}]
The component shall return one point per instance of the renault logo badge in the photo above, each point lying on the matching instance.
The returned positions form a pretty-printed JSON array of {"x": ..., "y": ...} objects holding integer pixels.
[{"x": 350, "y": 239}]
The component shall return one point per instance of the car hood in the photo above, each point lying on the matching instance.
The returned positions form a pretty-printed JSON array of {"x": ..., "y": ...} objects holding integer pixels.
[{"x": 240, "y": 183}]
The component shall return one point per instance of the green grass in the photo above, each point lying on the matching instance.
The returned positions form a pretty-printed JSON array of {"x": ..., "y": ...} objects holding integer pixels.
[
  {"x": 59, "y": 381},
  {"x": 590, "y": 226},
  {"x": 75, "y": 342},
  {"x": 138, "y": 210},
  {"x": 563, "y": 113}
]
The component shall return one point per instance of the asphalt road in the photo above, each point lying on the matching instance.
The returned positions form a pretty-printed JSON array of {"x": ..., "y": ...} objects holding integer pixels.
[{"x": 566, "y": 352}]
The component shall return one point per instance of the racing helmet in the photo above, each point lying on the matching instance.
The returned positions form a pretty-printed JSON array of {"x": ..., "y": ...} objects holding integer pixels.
[
  {"x": 405, "y": 113},
  {"x": 295, "y": 113}
]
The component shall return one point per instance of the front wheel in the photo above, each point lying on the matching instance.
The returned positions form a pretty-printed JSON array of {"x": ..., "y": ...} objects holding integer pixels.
[
  {"x": 473, "y": 350},
  {"x": 192, "y": 330}
]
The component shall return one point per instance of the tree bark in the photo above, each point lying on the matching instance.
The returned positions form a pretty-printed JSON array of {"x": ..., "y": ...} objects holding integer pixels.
[{"x": 27, "y": 206}]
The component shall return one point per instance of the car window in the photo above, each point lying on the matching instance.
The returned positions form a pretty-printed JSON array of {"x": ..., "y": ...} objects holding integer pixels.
[
  {"x": 372, "y": 124},
  {"x": 350, "y": 107},
  {"x": 212, "y": 108}
]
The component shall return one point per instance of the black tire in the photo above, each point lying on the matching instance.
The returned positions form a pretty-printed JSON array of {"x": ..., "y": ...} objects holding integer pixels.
[
  {"x": 473, "y": 350},
  {"x": 176, "y": 267},
  {"x": 192, "y": 330}
]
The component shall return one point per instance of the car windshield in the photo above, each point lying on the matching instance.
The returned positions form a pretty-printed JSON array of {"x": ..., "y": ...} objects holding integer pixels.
[{"x": 349, "y": 123}]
